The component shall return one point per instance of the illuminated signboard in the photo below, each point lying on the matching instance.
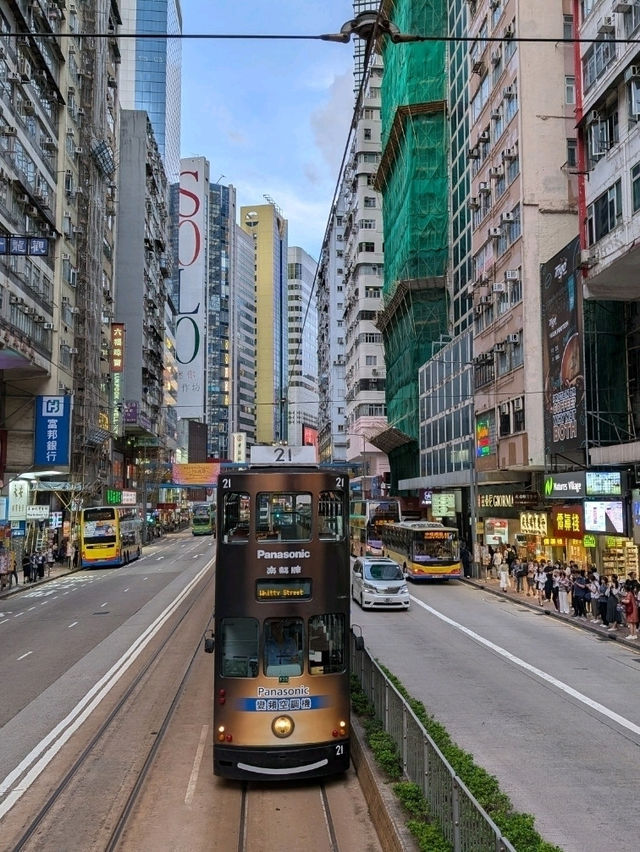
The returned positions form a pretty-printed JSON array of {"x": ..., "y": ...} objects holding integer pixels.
[
  {"x": 443, "y": 505},
  {"x": 603, "y": 483},
  {"x": 283, "y": 590},
  {"x": 604, "y": 516},
  {"x": 485, "y": 428},
  {"x": 113, "y": 497},
  {"x": 567, "y": 522}
]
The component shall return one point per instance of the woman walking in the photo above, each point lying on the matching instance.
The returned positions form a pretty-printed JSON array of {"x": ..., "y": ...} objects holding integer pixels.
[
  {"x": 612, "y": 604},
  {"x": 631, "y": 609}
]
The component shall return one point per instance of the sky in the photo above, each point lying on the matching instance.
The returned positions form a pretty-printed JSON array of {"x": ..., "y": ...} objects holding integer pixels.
[{"x": 271, "y": 116}]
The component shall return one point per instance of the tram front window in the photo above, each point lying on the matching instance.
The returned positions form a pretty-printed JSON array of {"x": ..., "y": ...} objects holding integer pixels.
[
  {"x": 284, "y": 516},
  {"x": 283, "y": 645},
  {"x": 239, "y": 647}
]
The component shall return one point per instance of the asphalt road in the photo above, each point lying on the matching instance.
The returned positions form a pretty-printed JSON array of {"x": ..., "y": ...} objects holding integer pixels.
[{"x": 549, "y": 708}]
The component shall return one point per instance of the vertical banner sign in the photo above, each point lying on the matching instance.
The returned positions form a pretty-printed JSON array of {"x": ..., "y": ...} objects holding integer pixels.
[
  {"x": 18, "y": 499},
  {"x": 3, "y": 454},
  {"x": 53, "y": 419},
  {"x": 192, "y": 265},
  {"x": 117, "y": 369},
  {"x": 564, "y": 399}
]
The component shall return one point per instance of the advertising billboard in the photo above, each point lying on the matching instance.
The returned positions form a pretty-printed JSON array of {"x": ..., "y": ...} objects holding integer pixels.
[
  {"x": 562, "y": 360},
  {"x": 192, "y": 266},
  {"x": 604, "y": 516}
]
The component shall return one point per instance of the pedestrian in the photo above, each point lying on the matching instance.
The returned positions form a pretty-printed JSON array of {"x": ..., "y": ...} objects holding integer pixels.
[
  {"x": 540, "y": 578},
  {"x": 531, "y": 579},
  {"x": 26, "y": 569},
  {"x": 555, "y": 589},
  {"x": 630, "y": 603},
  {"x": 579, "y": 595},
  {"x": 519, "y": 571},
  {"x": 594, "y": 597},
  {"x": 41, "y": 562},
  {"x": 635, "y": 585},
  {"x": 4, "y": 568},
  {"x": 13, "y": 568},
  {"x": 612, "y": 604},
  {"x": 564, "y": 589},
  {"x": 603, "y": 586},
  {"x": 50, "y": 560},
  {"x": 503, "y": 577},
  {"x": 496, "y": 563},
  {"x": 465, "y": 558}
]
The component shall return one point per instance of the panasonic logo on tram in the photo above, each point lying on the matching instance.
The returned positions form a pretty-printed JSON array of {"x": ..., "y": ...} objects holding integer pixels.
[{"x": 284, "y": 554}]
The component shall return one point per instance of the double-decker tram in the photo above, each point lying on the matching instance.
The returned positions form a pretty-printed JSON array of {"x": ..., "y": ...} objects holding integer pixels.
[
  {"x": 427, "y": 550},
  {"x": 281, "y": 623},
  {"x": 203, "y": 519}
]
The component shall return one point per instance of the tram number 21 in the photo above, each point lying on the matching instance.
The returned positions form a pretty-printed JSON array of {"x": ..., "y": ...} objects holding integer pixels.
[{"x": 339, "y": 749}]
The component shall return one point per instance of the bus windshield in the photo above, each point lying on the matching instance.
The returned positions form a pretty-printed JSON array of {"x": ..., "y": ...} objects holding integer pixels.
[
  {"x": 440, "y": 546},
  {"x": 100, "y": 526}
]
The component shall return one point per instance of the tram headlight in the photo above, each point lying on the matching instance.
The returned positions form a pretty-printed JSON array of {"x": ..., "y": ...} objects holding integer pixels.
[
  {"x": 341, "y": 730},
  {"x": 282, "y": 726},
  {"x": 221, "y": 734}
]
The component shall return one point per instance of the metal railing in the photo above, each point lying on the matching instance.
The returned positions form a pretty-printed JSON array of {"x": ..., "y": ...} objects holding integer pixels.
[{"x": 464, "y": 823}]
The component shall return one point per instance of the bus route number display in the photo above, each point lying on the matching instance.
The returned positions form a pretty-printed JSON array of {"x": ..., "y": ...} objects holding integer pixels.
[
  {"x": 283, "y": 590},
  {"x": 438, "y": 535}
]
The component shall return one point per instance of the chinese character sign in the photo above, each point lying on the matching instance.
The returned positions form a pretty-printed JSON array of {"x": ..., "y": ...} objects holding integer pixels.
[
  {"x": 18, "y": 499},
  {"x": 53, "y": 420}
]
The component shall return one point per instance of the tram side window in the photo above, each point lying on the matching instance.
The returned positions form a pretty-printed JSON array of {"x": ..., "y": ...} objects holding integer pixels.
[
  {"x": 283, "y": 516},
  {"x": 239, "y": 647},
  {"x": 236, "y": 516},
  {"x": 327, "y": 643},
  {"x": 331, "y": 516},
  {"x": 283, "y": 647}
]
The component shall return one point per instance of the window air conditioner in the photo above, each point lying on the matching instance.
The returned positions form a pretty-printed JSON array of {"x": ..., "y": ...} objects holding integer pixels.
[
  {"x": 474, "y": 204},
  {"x": 517, "y": 404},
  {"x": 508, "y": 32},
  {"x": 509, "y": 154},
  {"x": 485, "y": 136},
  {"x": 484, "y": 187},
  {"x": 474, "y": 153},
  {"x": 512, "y": 275},
  {"x": 507, "y": 217},
  {"x": 496, "y": 115},
  {"x": 496, "y": 56},
  {"x": 495, "y": 232},
  {"x": 485, "y": 300},
  {"x": 593, "y": 117},
  {"x": 48, "y": 326},
  {"x": 605, "y": 25},
  {"x": 9, "y": 130},
  {"x": 496, "y": 172},
  {"x": 588, "y": 258},
  {"x": 513, "y": 338},
  {"x": 499, "y": 287},
  {"x": 73, "y": 350},
  {"x": 509, "y": 92},
  {"x": 498, "y": 347},
  {"x": 504, "y": 408},
  {"x": 478, "y": 66}
]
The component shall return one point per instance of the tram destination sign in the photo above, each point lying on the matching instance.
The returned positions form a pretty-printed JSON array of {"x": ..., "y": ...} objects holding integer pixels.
[{"x": 283, "y": 589}]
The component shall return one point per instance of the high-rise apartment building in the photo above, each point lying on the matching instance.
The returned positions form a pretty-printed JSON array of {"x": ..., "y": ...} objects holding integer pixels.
[
  {"x": 302, "y": 321},
  {"x": 58, "y": 152},
  {"x": 332, "y": 434},
  {"x": 242, "y": 334},
  {"x": 268, "y": 227}
]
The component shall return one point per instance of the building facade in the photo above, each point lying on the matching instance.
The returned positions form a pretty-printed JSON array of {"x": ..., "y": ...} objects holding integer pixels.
[
  {"x": 268, "y": 228},
  {"x": 302, "y": 349}
]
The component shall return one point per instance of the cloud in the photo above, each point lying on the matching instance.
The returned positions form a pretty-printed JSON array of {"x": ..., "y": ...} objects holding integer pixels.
[{"x": 330, "y": 123}]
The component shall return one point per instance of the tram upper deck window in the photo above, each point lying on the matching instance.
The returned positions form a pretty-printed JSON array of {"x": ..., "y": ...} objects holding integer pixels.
[
  {"x": 283, "y": 516},
  {"x": 236, "y": 517},
  {"x": 331, "y": 516},
  {"x": 239, "y": 647},
  {"x": 327, "y": 643}
]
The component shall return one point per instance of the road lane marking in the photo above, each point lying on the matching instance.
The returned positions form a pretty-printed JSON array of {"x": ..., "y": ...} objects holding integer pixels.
[
  {"x": 25, "y": 655},
  {"x": 5, "y": 621},
  {"x": 104, "y": 604},
  {"x": 30, "y": 608},
  {"x": 22, "y": 776},
  {"x": 563, "y": 687},
  {"x": 193, "y": 780},
  {"x": 73, "y": 624}
]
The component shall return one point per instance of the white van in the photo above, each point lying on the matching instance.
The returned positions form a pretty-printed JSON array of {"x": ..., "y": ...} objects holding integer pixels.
[{"x": 377, "y": 581}]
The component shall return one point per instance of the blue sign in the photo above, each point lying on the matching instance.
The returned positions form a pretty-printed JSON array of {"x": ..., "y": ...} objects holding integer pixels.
[
  {"x": 38, "y": 246},
  {"x": 53, "y": 422}
]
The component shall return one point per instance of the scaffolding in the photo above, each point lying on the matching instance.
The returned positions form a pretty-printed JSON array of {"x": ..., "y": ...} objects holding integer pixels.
[{"x": 413, "y": 178}]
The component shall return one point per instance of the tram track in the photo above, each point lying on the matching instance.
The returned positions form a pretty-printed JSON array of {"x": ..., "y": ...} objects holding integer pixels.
[{"x": 85, "y": 773}]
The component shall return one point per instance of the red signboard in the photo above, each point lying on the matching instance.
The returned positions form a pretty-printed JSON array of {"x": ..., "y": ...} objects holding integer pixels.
[{"x": 567, "y": 521}]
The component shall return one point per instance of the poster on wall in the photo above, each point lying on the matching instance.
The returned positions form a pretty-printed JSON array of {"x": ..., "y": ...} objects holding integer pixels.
[
  {"x": 496, "y": 531},
  {"x": 563, "y": 373}
]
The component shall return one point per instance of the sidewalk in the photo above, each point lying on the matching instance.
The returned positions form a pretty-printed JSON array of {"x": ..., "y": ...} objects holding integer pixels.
[
  {"x": 548, "y": 608},
  {"x": 56, "y": 571}
]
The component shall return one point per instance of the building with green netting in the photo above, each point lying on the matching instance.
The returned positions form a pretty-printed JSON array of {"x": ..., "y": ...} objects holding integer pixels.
[{"x": 413, "y": 178}]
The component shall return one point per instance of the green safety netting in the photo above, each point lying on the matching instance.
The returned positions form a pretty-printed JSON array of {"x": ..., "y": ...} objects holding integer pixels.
[{"x": 414, "y": 180}]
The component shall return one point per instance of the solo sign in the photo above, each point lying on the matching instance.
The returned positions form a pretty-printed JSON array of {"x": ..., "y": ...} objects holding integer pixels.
[{"x": 564, "y": 486}]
